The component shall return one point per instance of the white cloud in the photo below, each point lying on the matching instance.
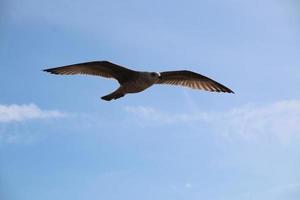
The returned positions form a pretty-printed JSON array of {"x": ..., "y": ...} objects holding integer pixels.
[
  {"x": 18, "y": 113},
  {"x": 280, "y": 119},
  {"x": 152, "y": 114},
  {"x": 19, "y": 132}
]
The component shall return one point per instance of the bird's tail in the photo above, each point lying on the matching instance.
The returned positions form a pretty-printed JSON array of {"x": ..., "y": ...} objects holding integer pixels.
[{"x": 114, "y": 95}]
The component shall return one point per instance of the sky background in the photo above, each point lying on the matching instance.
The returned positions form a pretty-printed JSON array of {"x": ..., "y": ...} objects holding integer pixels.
[{"x": 58, "y": 140}]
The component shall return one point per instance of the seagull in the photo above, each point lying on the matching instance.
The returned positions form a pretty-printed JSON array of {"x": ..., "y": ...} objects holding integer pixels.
[{"x": 132, "y": 81}]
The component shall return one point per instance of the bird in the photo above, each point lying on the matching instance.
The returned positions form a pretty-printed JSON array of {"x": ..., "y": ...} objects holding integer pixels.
[{"x": 132, "y": 81}]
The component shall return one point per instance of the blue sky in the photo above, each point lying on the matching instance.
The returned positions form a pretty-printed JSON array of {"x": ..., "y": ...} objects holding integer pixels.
[{"x": 58, "y": 140}]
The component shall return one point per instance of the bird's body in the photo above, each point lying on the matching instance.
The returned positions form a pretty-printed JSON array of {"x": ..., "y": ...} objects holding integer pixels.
[
  {"x": 132, "y": 81},
  {"x": 137, "y": 84},
  {"x": 140, "y": 83}
]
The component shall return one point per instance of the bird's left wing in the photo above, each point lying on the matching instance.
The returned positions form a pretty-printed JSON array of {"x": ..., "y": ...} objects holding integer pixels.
[
  {"x": 192, "y": 80},
  {"x": 97, "y": 68}
]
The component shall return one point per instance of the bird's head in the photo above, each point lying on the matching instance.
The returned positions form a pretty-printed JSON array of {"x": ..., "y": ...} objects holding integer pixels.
[{"x": 155, "y": 75}]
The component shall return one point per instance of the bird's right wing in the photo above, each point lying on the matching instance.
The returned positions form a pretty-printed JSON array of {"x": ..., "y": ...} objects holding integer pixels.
[
  {"x": 97, "y": 68},
  {"x": 192, "y": 80}
]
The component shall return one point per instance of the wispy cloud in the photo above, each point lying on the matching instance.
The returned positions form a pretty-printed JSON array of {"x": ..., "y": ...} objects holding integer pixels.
[
  {"x": 152, "y": 114},
  {"x": 277, "y": 192},
  {"x": 18, "y": 113},
  {"x": 14, "y": 126},
  {"x": 280, "y": 119}
]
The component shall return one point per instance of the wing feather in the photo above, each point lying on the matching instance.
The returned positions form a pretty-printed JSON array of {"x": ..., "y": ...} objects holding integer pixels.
[
  {"x": 193, "y": 80},
  {"x": 97, "y": 68}
]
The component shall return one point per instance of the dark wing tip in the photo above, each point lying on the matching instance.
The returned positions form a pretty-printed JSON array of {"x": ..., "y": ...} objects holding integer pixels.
[
  {"x": 223, "y": 90},
  {"x": 230, "y": 92},
  {"x": 51, "y": 71},
  {"x": 226, "y": 89}
]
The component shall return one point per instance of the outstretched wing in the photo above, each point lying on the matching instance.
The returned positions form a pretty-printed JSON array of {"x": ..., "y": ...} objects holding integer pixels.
[
  {"x": 192, "y": 80},
  {"x": 97, "y": 68}
]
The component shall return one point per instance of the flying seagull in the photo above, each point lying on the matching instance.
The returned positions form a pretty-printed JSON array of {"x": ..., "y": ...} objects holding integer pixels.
[{"x": 132, "y": 81}]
